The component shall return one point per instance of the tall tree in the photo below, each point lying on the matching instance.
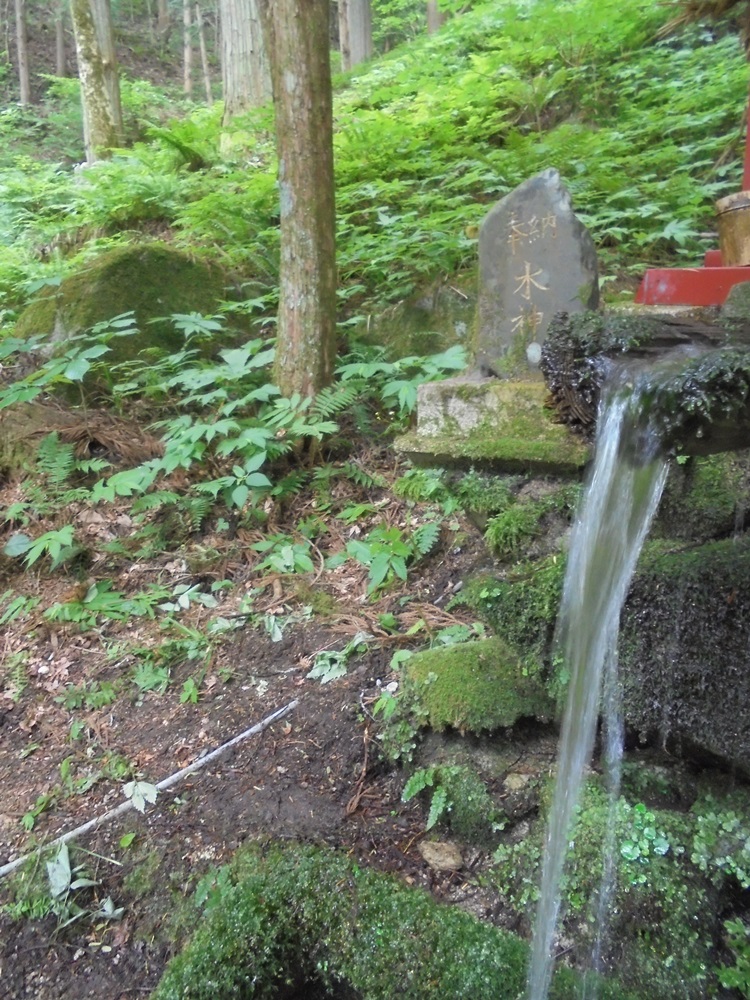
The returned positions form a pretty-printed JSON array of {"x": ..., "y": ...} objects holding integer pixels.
[
  {"x": 355, "y": 32},
  {"x": 246, "y": 74},
  {"x": 22, "y": 51},
  {"x": 187, "y": 47},
  {"x": 204, "y": 54},
  {"x": 434, "y": 16},
  {"x": 296, "y": 35},
  {"x": 61, "y": 66},
  {"x": 163, "y": 21},
  {"x": 97, "y": 70}
]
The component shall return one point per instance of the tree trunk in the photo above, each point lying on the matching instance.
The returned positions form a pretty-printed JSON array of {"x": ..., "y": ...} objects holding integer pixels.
[
  {"x": 345, "y": 47},
  {"x": 61, "y": 66},
  {"x": 360, "y": 31},
  {"x": 163, "y": 21},
  {"x": 22, "y": 49},
  {"x": 297, "y": 38},
  {"x": 434, "y": 16},
  {"x": 246, "y": 74},
  {"x": 97, "y": 70},
  {"x": 187, "y": 47},
  {"x": 355, "y": 32},
  {"x": 102, "y": 12},
  {"x": 204, "y": 55}
]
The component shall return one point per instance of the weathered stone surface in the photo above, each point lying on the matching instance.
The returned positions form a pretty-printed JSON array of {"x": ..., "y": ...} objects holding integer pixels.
[
  {"x": 536, "y": 258},
  {"x": 500, "y": 423},
  {"x": 683, "y": 648}
]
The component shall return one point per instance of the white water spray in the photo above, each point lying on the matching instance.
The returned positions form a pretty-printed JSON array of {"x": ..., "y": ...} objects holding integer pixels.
[{"x": 621, "y": 498}]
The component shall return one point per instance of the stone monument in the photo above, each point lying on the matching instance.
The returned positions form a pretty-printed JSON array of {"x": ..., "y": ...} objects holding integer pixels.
[{"x": 536, "y": 258}]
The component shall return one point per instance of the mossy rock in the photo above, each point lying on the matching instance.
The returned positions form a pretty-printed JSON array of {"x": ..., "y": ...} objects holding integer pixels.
[
  {"x": 684, "y": 643},
  {"x": 521, "y": 607},
  {"x": 153, "y": 280},
  {"x": 298, "y": 920},
  {"x": 475, "y": 687}
]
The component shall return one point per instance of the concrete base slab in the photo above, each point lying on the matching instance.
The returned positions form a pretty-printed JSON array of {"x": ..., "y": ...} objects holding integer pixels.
[{"x": 494, "y": 423}]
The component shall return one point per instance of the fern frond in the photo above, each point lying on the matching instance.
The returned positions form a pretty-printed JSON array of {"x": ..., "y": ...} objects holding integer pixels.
[
  {"x": 55, "y": 460},
  {"x": 196, "y": 509},
  {"x": 426, "y": 536},
  {"x": 151, "y": 501},
  {"x": 333, "y": 399},
  {"x": 358, "y": 475}
]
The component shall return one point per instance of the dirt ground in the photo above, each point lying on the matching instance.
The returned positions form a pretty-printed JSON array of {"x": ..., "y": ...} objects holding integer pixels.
[{"x": 315, "y": 775}]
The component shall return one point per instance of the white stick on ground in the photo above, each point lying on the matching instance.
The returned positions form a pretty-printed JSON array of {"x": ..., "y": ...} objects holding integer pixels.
[{"x": 161, "y": 786}]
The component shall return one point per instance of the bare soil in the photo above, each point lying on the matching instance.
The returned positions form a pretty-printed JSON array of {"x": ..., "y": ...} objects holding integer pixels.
[{"x": 315, "y": 775}]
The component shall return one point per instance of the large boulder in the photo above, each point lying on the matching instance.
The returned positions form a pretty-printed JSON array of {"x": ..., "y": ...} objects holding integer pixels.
[{"x": 153, "y": 280}]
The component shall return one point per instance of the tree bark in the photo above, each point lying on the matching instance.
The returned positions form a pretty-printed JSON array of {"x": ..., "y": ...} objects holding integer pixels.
[
  {"x": 61, "y": 66},
  {"x": 97, "y": 70},
  {"x": 434, "y": 16},
  {"x": 204, "y": 55},
  {"x": 187, "y": 48},
  {"x": 355, "y": 32},
  {"x": 345, "y": 47},
  {"x": 360, "y": 31},
  {"x": 297, "y": 38},
  {"x": 246, "y": 74},
  {"x": 163, "y": 21},
  {"x": 22, "y": 50}
]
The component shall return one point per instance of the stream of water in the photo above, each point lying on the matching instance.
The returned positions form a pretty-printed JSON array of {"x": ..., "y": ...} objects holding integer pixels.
[{"x": 621, "y": 497}]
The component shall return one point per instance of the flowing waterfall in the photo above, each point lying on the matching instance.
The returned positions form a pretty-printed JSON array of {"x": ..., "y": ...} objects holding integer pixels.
[{"x": 621, "y": 498}]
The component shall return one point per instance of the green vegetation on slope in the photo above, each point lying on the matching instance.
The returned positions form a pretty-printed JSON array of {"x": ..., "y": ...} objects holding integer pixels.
[{"x": 645, "y": 132}]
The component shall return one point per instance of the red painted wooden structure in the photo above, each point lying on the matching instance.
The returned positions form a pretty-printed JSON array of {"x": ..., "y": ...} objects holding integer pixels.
[{"x": 696, "y": 286}]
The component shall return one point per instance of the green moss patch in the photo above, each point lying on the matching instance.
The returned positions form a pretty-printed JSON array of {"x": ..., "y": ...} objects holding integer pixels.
[
  {"x": 298, "y": 916},
  {"x": 475, "y": 686},
  {"x": 153, "y": 280},
  {"x": 704, "y": 496}
]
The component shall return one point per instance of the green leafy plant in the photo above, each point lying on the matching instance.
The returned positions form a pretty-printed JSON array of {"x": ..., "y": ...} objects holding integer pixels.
[
  {"x": 330, "y": 664},
  {"x": 58, "y": 544},
  {"x": 737, "y": 976}
]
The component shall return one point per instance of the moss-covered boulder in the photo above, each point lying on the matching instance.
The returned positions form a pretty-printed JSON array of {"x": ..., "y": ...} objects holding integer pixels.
[
  {"x": 300, "y": 920},
  {"x": 684, "y": 644},
  {"x": 153, "y": 280},
  {"x": 475, "y": 687}
]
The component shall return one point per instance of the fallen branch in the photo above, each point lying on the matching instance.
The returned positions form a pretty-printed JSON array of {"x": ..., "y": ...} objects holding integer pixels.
[{"x": 93, "y": 824}]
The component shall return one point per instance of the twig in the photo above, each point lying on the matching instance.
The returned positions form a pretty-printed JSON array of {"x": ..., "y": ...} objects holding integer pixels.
[{"x": 161, "y": 786}]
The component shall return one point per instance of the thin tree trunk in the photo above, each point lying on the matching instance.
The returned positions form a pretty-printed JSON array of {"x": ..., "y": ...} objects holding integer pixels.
[
  {"x": 434, "y": 17},
  {"x": 102, "y": 12},
  {"x": 22, "y": 49},
  {"x": 296, "y": 35},
  {"x": 187, "y": 48},
  {"x": 61, "y": 66},
  {"x": 204, "y": 55},
  {"x": 345, "y": 47}
]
